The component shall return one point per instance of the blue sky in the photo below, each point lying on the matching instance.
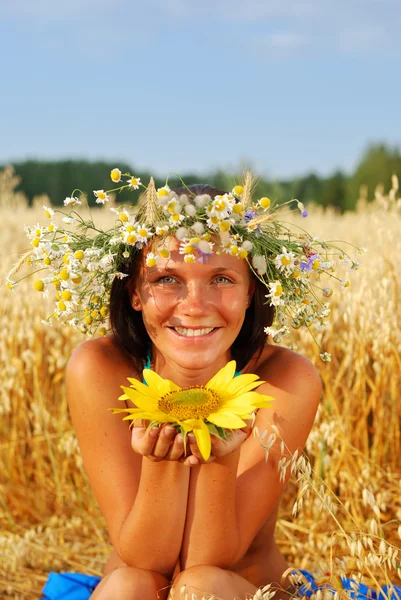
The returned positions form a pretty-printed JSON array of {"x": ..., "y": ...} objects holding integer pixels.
[{"x": 285, "y": 86}]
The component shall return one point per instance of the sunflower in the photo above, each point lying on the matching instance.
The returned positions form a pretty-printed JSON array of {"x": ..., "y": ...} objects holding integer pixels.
[{"x": 223, "y": 403}]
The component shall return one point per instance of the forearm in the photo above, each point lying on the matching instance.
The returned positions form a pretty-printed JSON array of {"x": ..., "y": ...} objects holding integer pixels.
[
  {"x": 211, "y": 534},
  {"x": 151, "y": 537}
]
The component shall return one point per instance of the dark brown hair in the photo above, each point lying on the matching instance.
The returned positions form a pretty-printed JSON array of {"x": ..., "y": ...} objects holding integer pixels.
[{"x": 130, "y": 332}]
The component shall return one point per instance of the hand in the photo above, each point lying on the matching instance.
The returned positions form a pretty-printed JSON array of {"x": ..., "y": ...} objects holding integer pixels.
[
  {"x": 220, "y": 447},
  {"x": 157, "y": 443}
]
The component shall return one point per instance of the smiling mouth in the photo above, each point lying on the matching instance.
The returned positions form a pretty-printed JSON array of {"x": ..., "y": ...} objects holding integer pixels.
[{"x": 193, "y": 332}]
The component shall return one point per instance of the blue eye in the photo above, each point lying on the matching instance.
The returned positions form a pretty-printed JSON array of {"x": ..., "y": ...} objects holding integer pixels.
[{"x": 162, "y": 279}]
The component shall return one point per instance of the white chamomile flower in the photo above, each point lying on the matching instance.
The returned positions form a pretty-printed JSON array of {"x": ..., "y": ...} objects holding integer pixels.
[
  {"x": 276, "y": 293},
  {"x": 134, "y": 182},
  {"x": 49, "y": 212},
  {"x": 151, "y": 259},
  {"x": 163, "y": 192},
  {"x": 69, "y": 220},
  {"x": 361, "y": 250},
  {"x": 345, "y": 283},
  {"x": 285, "y": 261},
  {"x": 119, "y": 275},
  {"x": 205, "y": 247},
  {"x": 190, "y": 210},
  {"x": 115, "y": 175},
  {"x": 114, "y": 240},
  {"x": 189, "y": 258},
  {"x": 198, "y": 228},
  {"x": 186, "y": 247},
  {"x": 202, "y": 200},
  {"x": 107, "y": 260},
  {"x": 213, "y": 223},
  {"x": 183, "y": 199},
  {"x": 73, "y": 201},
  {"x": 126, "y": 254},
  {"x": 181, "y": 233},
  {"x": 173, "y": 206},
  {"x": 101, "y": 197},
  {"x": 160, "y": 229},
  {"x": 175, "y": 219},
  {"x": 247, "y": 245},
  {"x": 259, "y": 262},
  {"x": 144, "y": 233},
  {"x": 276, "y": 334}
]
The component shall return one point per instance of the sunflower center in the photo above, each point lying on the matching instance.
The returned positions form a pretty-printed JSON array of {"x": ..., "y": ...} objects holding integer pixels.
[{"x": 190, "y": 403}]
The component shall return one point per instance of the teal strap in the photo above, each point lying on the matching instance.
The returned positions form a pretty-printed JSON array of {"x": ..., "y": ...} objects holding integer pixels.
[{"x": 147, "y": 366}]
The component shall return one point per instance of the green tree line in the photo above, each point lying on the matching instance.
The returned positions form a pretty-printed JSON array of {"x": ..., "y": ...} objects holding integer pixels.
[{"x": 58, "y": 179}]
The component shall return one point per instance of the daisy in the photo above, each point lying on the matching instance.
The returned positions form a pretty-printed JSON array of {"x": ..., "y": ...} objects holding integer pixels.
[
  {"x": 115, "y": 175},
  {"x": 225, "y": 401},
  {"x": 72, "y": 201},
  {"x": 285, "y": 261},
  {"x": 101, "y": 197},
  {"x": 134, "y": 182}
]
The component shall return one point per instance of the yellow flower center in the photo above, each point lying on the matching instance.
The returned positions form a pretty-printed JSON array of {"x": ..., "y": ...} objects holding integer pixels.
[
  {"x": 220, "y": 205},
  {"x": 190, "y": 403},
  {"x": 238, "y": 189},
  {"x": 285, "y": 260}
]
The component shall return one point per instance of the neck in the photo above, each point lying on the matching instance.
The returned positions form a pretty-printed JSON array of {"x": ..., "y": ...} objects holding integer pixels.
[{"x": 186, "y": 374}]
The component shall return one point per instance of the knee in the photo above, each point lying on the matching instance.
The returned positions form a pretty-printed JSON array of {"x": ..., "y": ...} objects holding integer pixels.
[
  {"x": 200, "y": 580},
  {"x": 127, "y": 583}
]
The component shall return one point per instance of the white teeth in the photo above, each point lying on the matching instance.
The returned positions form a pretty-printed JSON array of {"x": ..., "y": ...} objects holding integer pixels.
[{"x": 193, "y": 332}]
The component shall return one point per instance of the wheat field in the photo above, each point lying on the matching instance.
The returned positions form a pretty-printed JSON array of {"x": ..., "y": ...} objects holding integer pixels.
[{"x": 341, "y": 513}]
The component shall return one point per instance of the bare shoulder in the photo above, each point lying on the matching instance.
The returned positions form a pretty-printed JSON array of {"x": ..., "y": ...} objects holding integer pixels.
[
  {"x": 101, "y": 352},
  {"x": 290, "y": 371}
]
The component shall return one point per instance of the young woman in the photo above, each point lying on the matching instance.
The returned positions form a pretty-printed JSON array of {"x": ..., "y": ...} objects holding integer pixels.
[{"x": 174, "y": 519}]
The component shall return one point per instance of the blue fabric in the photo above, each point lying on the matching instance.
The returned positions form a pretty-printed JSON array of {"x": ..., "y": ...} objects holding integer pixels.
[
  {"x": 358, "y": 591},
  {"x": 69, "y": 586},
  {"x": 75, "y": 586}
]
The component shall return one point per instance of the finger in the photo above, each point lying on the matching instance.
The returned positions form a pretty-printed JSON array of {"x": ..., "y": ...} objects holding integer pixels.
[
  {"x": 166, "y": 437},
  {"x": 143, "y": 440},
  {"x": 176, "y": 450},
  {"x": 193, "y": 447},
  {"x": 233, "y": 442}
]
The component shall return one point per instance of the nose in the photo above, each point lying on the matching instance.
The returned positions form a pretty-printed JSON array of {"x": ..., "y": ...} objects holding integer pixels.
[{"x": 196, "y": 300}]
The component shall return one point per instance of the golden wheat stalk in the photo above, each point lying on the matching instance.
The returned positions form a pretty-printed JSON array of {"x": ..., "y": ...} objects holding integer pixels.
[
  {"x": 249, "y": 185},
  {"x": 148, "y": 208},
  {"x": 23, "y": 260}
]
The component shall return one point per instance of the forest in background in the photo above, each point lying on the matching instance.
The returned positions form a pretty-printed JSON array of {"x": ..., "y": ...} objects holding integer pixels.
[{"x": 58, "y": 179}]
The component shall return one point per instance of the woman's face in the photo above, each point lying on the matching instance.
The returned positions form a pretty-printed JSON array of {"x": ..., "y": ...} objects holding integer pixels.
[{"x": 193, "y": 312}]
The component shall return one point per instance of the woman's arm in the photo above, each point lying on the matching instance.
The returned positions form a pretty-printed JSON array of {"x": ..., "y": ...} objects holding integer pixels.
[
  {"x": 144, "y": 503},
  {"x": 231, "y": 498}
]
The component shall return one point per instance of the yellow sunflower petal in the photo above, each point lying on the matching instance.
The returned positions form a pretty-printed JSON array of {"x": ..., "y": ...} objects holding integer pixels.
[
  {"x": 222, "y": 378},
  {"x": 242, "y": 384},
  {"x": 146, "y": 402},
  {"x": 149, "y": 416},
  {"x": 138, "y": 385},
  {"x": 252, "y": 399},
  {"x": 203, "y": 439},
  {"x": 158, "y": 384},
  {"x": 227, "y": 420}
]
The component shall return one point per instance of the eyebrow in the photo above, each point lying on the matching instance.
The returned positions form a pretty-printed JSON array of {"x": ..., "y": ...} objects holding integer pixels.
[{"x": 214, "y": 270}]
